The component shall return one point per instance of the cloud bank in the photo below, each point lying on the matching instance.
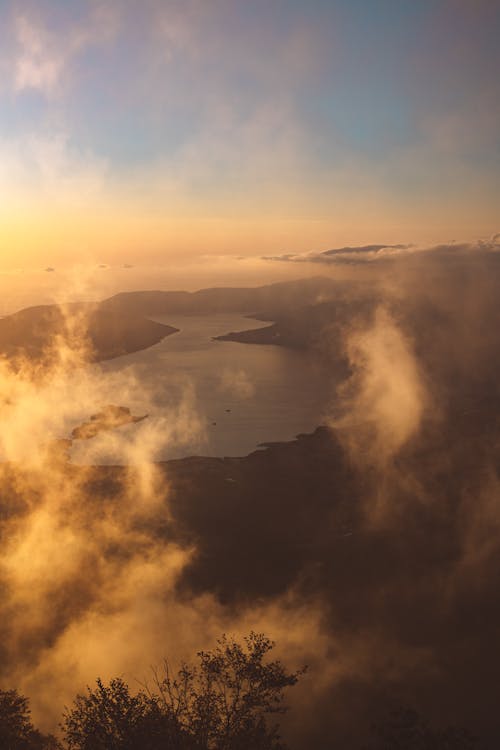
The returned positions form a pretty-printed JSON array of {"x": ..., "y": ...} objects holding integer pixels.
[{"x": 381, "y": 252}]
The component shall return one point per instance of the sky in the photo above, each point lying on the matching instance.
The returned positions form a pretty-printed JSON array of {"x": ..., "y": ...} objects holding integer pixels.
[
  {"x": 179, "y": 144},
  {"x": 166, "y": 132}
]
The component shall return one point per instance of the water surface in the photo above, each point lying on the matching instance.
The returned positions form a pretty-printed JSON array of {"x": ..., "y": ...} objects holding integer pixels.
[{"x": 214, "y": 398}]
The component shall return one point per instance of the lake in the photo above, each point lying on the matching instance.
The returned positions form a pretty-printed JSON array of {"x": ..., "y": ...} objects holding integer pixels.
[{"x": 206, "y": 397}]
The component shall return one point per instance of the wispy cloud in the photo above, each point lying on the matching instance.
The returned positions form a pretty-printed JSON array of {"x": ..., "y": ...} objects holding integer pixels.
[
  {"x": 38, "y": 66},
  {"x": 43, "y": 57},
  {"x": 47, "y": 166}
]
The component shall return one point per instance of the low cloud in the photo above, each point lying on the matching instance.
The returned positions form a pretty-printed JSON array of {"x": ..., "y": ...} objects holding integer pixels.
[
  {"x": 373, "y": 544},
  {"x": 92, "y": 557},
  {"x": 384, "y": 400},
  {"x": 360, "y": 253},
  {"x": 236, "y": 383},
  {"x": 356, "y": 255}
]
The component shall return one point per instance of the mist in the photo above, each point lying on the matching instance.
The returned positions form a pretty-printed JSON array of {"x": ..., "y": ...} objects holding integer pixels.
[{"x": 381, "y": 590}]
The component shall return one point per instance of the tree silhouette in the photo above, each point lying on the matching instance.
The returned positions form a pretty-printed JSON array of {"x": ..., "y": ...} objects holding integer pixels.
[
  {"x": 110, "y": 718},
  {"x": 221, "y": 703},
  {"x": 406, "y": 730},
  {"x": 16, "y": 730},
  {"x": 225, "y": 700}
]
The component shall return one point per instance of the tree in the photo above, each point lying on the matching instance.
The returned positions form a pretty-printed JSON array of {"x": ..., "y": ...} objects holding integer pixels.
[
  {"x": 110, "y": 718},
  {"x": 221, "y": 703},
  {"x": 16, "y": 730},
  {"x": 406, "y": 730}
]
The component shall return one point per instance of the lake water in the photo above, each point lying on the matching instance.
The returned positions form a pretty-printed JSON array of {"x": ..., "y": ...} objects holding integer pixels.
[{"x": 211, "y": 398}]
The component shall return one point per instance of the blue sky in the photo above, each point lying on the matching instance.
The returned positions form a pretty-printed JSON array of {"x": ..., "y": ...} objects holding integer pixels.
[{"x": 344, "y": 119}]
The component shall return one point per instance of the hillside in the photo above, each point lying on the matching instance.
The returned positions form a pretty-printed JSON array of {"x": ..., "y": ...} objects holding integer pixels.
[{"x": 98, "y": 334}]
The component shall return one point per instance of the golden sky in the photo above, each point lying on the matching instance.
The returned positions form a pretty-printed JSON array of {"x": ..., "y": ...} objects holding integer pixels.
[{"x": 167, "y": 131}]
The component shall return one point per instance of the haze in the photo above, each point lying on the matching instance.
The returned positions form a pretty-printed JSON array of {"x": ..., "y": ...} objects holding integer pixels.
[{"x": 249, "y": 363}]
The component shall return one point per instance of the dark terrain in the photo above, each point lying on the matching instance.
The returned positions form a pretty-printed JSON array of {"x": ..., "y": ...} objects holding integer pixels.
[
  {"x": 402, "y": 555},
  {"x": 296, "y": 516},
  {"x": 37, "y": 333},
  {"x": 121, "y": 324}
]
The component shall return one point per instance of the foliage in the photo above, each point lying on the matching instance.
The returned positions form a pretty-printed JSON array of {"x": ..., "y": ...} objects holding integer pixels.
[
  {"x": 222, "y": 703},
  {"x": 406, "y": 730},
  {"x": 16, "y": 730},
  {"x": 225, "y": 700},
  {"x": 110, "y": 718}
]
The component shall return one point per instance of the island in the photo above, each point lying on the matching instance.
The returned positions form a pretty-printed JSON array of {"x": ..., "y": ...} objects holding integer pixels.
[{"x": 109, "y": 418}]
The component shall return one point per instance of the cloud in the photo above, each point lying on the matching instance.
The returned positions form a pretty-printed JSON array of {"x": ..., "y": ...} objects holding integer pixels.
[
  {"x": 385, "y": 398},
  {"x": 80, "y": 569},
  {"x": 373, "y": 544},
  {"x": 46, "y": 167},
  {"x": 390, "y": 518},
  {"x": 360, "y": 253},
  {"x": 38, "y": 66},
  {"x": 44, "y": 57},
  {"x": 362, "y": 250},
  {"x": 91, "y": 556},
  {"x": 380, "y": 252},
  {"x": 236, "y": 383}
]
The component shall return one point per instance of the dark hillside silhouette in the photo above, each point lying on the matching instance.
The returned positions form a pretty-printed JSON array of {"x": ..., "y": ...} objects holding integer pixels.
[
  {"x": 37, "y": 333},
  {"x": 121, "y": 324}
]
